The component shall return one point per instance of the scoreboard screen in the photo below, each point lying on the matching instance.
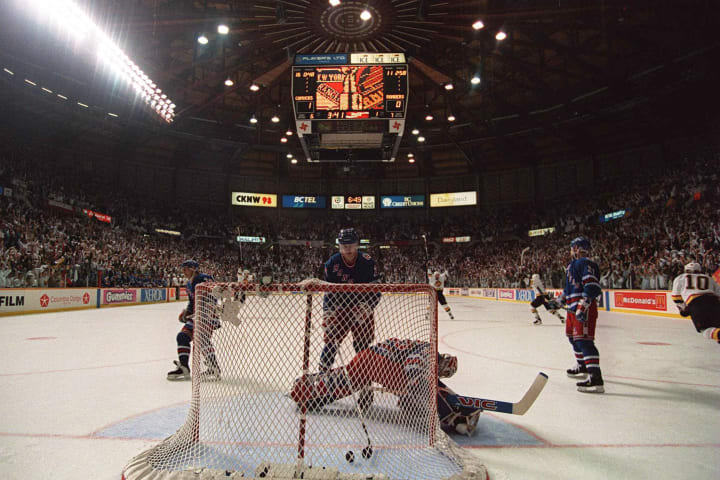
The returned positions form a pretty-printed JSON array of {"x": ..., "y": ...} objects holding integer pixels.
[{"x": 348, "y": 92}]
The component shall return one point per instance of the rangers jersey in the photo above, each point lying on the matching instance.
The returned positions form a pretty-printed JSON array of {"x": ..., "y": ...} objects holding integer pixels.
[
  {"x": 582, "y": 281},
  {"x": 437, "y": 282},
  {"x": 689, "y": 286},
  {"x": 337, "y": 271}
]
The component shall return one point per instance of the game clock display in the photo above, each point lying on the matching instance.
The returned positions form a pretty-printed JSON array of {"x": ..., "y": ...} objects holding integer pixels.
[{"x": 350, "y": 92}]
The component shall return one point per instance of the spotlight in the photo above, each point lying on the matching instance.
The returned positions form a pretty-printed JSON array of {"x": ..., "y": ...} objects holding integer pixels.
[
  {"x": 289, "y": 155},
  {"x": 429, "y": 117},
  {"x": 293, "y": 161},
  {"x": 229, "y": 82},
  {"x": 411, "y": 160},
  {"x": 500, "y": 36},
  {"x": 410, "y": 155},
  {"x": 253, "y": 119},
  {"x": 223, "y": 29},
  {"x": 478, "y": 25},
  {"x": 334, "y": 3},
  {"x": 451, "y": 118},
  {"x": 275, "y": 119},
  {"x": 415, "y": 131},
  {"x": 449, "y": 86},
  {"x": 421, "y": 139},
  {"x": 202, "y": 40},
  {"x": 365, "y": 15},
  {"x": 254, "y": 87},
  {"x": 283, "y": 139},
  {"x": 475, "y": 80},
  {"x": 289, "y": 133}
]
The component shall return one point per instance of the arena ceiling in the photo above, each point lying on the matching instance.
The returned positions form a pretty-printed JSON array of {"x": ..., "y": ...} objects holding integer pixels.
[{"x": 572, "y": 78}]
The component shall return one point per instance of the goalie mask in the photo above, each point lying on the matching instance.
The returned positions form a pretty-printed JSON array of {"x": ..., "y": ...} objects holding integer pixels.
[{"x": 447, "y": 365}]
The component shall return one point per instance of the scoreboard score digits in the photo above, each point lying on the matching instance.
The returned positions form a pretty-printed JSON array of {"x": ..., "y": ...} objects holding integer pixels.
[{"x": 347, "y": 92}]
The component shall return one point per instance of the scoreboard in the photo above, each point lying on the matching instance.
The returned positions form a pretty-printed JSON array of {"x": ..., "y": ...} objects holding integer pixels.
[{"x": 367, "y": 86}]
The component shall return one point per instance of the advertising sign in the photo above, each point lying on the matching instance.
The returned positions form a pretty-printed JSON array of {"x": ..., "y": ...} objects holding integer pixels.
[
  {"x": 246, "y": 239},
  {"x": 464, "y": 239},
  {"x": 353, "y": 202},
  {"x": 656, "y": 301},
  {"x": 100, "y": 216},
  {"x": 525, "y": 295},
  {"x": 303, "y": 201},
  {"x": 42, "y": 300},
  {"x": 506, "y": 294},
  {"x": 249, "y": 199},
  {"x": 153, "y": 295},
  {"x": 402, "y": 201},
  {"x": 540, "y": 232},
  {"x": 612, "y": 216},
  {"x": 115, "y": 296},
  {"x": 453, "y": 199}
]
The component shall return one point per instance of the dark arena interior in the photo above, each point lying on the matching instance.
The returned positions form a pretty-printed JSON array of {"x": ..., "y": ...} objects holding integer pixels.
[{"x": 146, "y": 142}]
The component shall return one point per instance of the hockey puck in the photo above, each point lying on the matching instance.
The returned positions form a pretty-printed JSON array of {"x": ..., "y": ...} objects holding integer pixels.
[
  {"x": 367, "y": 452},
  {"x": 350, "y": 456}
]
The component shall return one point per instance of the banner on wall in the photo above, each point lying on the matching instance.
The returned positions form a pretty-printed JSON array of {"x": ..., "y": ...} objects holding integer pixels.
[
  {"x": 41, "y": 299},
  {"x": 402, "y": 201},
  {"x": 116, "y": 296},
  {"x": 250, "y": 199},
  {"x": 655, "y": 301},
  {"x": 148, "y": 295},
  {"x": 506, "y": 294},
  {"x": 303, "y": 201},
  {"x": 453, "y": 199}
]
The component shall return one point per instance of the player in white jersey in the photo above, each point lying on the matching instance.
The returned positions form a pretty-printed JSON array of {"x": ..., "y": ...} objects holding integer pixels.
[
  {"x": 437, "y": 280},
  {"x": 542, "y": 298},
  {"x": 698, "y": 296}
]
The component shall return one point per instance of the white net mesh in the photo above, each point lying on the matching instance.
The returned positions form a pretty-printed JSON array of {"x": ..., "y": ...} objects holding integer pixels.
[{"x": 283, "y": 407}]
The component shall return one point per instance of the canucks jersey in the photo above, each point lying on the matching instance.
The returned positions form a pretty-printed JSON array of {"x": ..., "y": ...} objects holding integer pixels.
[
  {"x": 337, "y": 271},
  {"x": 582, "y": 280},
  {"x": 437, "y": 283},
  {"x": 689, "y": 286},
  {"x": 539, "y": 287}
]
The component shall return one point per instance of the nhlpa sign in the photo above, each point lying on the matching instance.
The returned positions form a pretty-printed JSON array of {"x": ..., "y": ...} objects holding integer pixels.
[
  {"x": 402, "y": 201},
  {"x": 303, "y": 201}
]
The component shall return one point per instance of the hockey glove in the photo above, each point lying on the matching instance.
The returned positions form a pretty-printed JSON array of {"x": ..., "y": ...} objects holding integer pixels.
[
  {"x": 181, "y": 317},
  {"x": 581, "y": 310},
  {"x": 684, "y": 311}
]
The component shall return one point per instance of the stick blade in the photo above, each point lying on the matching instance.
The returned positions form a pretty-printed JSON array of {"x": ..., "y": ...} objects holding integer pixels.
[{"x": 531, "y": 395}]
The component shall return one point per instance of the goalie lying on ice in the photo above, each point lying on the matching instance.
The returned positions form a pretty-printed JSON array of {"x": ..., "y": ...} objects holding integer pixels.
[{"x": 402, "y": 367}]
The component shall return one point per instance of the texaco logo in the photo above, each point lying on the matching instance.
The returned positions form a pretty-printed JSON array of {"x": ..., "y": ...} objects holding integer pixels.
[
  {"x": 44, "y": 300},
  {"x": 86, "y": 298}
]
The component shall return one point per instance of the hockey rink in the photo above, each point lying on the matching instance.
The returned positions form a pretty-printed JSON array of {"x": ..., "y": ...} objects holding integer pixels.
[{"x": 83, "y": 392}]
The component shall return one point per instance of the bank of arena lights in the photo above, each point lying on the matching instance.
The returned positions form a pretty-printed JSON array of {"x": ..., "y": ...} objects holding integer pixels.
[{"x": 68, "y": 16}]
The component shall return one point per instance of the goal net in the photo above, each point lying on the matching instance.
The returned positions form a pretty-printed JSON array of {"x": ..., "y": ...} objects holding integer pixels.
[{"x": 316, "y": 381}]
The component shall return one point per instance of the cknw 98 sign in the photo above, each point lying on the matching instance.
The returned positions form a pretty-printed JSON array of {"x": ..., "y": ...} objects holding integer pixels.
[{"x": 249, "y": 199}]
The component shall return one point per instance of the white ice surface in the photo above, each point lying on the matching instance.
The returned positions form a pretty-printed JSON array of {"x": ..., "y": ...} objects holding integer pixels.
[{"x": 659, "y": 417}]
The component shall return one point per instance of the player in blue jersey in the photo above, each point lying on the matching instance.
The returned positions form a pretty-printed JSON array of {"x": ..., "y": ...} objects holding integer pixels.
[
  {"x": 348, "y": 311},
  {"x": 582, "y": 287},
  {"x": 191, "y": 270}
]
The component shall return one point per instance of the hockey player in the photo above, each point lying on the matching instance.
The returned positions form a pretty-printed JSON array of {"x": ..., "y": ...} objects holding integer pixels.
[
  {"x": 437, "y": 280},
  {"x": 191, "y": 270},
  {"x": 544, "y": 299},
  {"x": 697, "y": 295},
  {"x": 348, "y": 312},
  {"x": 401, "y": 367},
  {"x": 582, "y": 287}
]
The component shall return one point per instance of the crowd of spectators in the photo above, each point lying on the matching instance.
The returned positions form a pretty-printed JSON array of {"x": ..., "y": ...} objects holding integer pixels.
[{"x": 668, "y": 221}]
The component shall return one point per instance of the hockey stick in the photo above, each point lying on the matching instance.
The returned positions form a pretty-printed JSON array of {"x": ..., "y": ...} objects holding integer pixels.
[
  {"x": 522, "y": 254},
  {"x": 517, "y": 408},
  {"x": 427, "y": 256},
  {"x": 367, "y": 451}
]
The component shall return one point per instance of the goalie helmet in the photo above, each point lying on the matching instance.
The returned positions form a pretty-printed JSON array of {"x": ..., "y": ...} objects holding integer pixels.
[
  {"x": 582, "y": 243},
  {"x": 447, "y": 365},
  {"x": 693, "y": 267}
]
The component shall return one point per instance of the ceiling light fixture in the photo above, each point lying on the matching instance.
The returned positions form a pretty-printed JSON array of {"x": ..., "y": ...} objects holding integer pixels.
[
  {"x": 254, "y": 87},
  {"x": 223, "y": 29},
  {"x": 229, "y": 82},
  {"x": 275, "y": 119},
  {"x": 429, "y": 117},
  {"x": 415, "y": 131},
  {"x": 334, "y": 3},
  {"x": 202, "y": 40},
  {"x": 293, "y": 161},
  {"x": 365, "y": 15},
  {"x": 475, "y": 80},
  {"x": 421, "y": 139},
  {"x": 451, "y": 118},
  {"x": 500, "y": 36},
  {"x": 478, "y": 25},
  {"x": 253, "y": 119},
  {"x": 449, "y": 86},
  {"x": 283, "y": 139}
]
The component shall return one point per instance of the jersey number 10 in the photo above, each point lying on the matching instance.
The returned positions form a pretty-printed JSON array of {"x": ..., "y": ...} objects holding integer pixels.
[{"x": 702, "y": 282}]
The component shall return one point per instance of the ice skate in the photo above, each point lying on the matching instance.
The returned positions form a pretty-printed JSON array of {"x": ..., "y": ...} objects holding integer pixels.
[
  {"x": 594, "y": 384},
  {"x": 180, "y": 373},
  {"x": 577, "y": 371},
  {"x": 537, "y": 321}
]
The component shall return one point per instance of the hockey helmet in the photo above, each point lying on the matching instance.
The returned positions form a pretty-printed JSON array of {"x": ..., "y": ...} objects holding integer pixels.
[
  {"x": 190, "y": 264},
  {"x": 693, "y": 267},
  {"x": 581, "y": 243},
  {"x": 447, "y": 365},
  {"x": 348, "y": 236},
  {"x": 535, "y": 278}
]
